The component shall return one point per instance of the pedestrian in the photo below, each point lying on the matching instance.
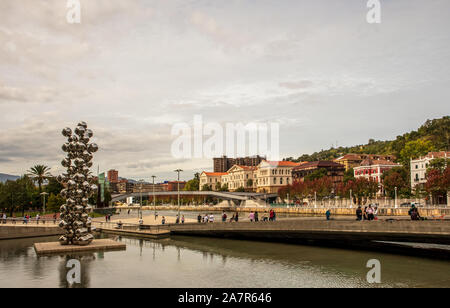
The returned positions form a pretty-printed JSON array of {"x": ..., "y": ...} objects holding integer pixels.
[
  {"x": 328, "y": 214},
  {"x": 4, "y": 218},
  {"x": 177, "y": 221},
  {"x": 163, "y": 221},
  {"x": 232, "y": 218},
  {"x": 182, "y": 219},
  {"x": 37, "y": 218},
  {"x": 106, "y": 218},
  {"x": 274, "y": 216},
  {"x": 251, "y": 216},
  {"x": 224, "y": 216},
  {"x": 54, "y": 218},
  {"x": 359, "y": 214},
  {"x": 205, "y": 218},
  {"x": 211, "y": 218},
  {"x": 271, "y": 215},
  {"x": 25, "y": 220},
  {"x": 365, "y": 213},
  {"x": 236, "y": 217},
  {"x": 199, "y": 218},
  {"x": 375, "y": 213},
  {"x": 256, "y": 216}
]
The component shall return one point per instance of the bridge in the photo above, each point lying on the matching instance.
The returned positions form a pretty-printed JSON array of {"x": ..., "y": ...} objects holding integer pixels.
[{"x": 237, "y": 197}]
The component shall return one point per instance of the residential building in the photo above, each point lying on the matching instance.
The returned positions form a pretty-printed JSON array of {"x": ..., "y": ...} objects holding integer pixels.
[
  {"x": 272, "y": 175},
  {"x": 113, "y": 176},
  {"x": 212, "y": 179},
  {"x": 335, "y": 171},
  {"x": 374, "y": 169},
  {"x": 354, "y": 160},
  {"x": 124, "y": 187},
  {"x": 419, "y": 167},
  {"x": 223, "y": 164},
  {"x": 241, "y": 177}
]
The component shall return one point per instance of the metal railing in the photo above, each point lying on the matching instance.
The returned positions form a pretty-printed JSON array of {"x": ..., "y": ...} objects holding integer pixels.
[
  {"x": 129, "y": 226},
  {"x": 30, "y": 221}
]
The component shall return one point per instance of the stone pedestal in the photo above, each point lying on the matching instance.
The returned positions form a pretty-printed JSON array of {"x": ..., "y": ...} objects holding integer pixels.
[{"x": 96, "y": 245}]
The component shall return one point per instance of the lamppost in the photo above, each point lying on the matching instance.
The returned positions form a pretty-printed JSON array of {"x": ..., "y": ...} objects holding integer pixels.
[
  {"x": 178, "y": 171},
  {"x": 140, "y": 205},
  {"x": 395, "y": 200},
  {"x": 44, "y": 194},
  {"x": 154, "y": 201},
  {"x": 351, "y": 199},
  {"x": 315, "y": 200}
]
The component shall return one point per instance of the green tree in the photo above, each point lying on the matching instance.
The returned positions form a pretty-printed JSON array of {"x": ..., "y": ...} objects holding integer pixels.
[
  {"x": 206, "y": 187},
  {"x": 414, "y": 149},
  {"x": 250, "y": 183},
  {"x": 194, "y": 184},
  {"x": 53, "y": 186},
  {"x": 316, "y": 174},
  {"x": 397, "y": 177},
  {"x": 39, "y": 173},
  {"x": 349, "y": 175},
  {"x": 240, "y": 189},
  {"x": 54, "y": 202}
]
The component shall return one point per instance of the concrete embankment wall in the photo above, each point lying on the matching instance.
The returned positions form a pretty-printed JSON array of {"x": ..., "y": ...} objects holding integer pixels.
[
  {"x": 17, "y": 231},
  {"x": 425, "y": 212},
  {"x": 301, "y": 231}
]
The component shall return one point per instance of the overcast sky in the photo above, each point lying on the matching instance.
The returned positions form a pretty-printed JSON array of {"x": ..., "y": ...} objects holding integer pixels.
[{"x": 134, "y": 68}]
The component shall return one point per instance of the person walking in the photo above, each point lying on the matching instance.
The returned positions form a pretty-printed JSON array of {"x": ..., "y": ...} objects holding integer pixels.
[
  {"x": 224, "y": 216},
  {"x": 163, "y": 221},
  {"x": 251, "y": 216},
  {"x": 37, "y": 218},
  {"x": 365, "y": 213},
  {"x": 375, "y": 213},
  {"x": 256, "y": 216},
  {"x": 177, "y": 221},
  {"x": 271, "y": 214},
  {"x": 211, "y": 217},
  {"x": 328, "y": 214},
  {"x": 182, "y": 219},
  {"x": 199, "y": 218},
  {"x": 232, "y": 218},
  {"x": 236, "y": 217}
]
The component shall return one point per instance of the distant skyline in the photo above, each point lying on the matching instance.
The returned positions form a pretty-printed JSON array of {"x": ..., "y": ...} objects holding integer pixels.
[{"x": 134, "y": 68}]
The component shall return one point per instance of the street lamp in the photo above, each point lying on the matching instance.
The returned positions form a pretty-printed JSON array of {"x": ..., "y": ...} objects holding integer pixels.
[
  {"x": 395, "y": 200},
  {"x": 351, "y": 199},
  {"x": 178, "y": 171},
  {"x": 154, "y": 201},
  {"x": 44, "y": 194},
  {"x": 140, "y": 205}
]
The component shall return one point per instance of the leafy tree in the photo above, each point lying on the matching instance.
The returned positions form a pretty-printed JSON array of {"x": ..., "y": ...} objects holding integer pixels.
[
  {"x": 192, "y": 185},
  {"x": 53, "y": 186},
  {"x": 317, "y": 174},
  {"x": 438, "y": 182},
  {"x": 349, "y": 175},
  {"x": 39, "y": 173},
  {"x": 54, "y": 202},
  {"x": 414, "y": 149},
  {"x": 397, "y": 177},
  {"x": 250, "y": 183},
  {"x": 224, "y": 187},
  {"x": 206, "y": 187},
  {"x": 240, "y": 189}
]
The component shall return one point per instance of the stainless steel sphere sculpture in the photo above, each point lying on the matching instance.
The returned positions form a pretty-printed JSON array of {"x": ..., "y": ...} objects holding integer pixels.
[{"x": 79, "y": 186}]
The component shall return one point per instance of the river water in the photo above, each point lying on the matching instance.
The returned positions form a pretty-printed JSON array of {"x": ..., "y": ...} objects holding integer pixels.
[{"x": 208, "y": 262}]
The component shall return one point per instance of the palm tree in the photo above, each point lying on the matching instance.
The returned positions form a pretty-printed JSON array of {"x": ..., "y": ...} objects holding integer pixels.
[{"x": 39, "y": 173}]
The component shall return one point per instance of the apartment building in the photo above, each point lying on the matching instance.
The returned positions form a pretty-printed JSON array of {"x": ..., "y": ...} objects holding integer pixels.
[
  {"x": 419, "y": 167},
  {"x": 272, "y": 175}
]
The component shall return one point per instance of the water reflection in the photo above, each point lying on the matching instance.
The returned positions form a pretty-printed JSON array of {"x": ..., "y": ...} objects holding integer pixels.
[{"x": 206, "y": 262}]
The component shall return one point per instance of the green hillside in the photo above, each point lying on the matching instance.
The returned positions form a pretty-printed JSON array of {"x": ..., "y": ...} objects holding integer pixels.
[{"x": 433, "y": 135}]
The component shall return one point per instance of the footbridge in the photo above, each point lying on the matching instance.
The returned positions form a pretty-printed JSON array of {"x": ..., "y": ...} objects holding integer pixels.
[{"x": 236, "y": 197}]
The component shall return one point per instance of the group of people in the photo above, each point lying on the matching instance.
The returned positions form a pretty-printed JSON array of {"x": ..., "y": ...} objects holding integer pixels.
[
  {"x": 206, "y": 218},
  {"x": 108, "y": 217},
  {"x": 177, "y": 220},
  {"x": 414, "y": 213},
  {"x": 253, "y": 217},
  {"x": 369, "y": 213}
]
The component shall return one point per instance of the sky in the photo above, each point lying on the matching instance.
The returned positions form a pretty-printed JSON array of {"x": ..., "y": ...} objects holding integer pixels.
[{"x": 134, "y": 69}]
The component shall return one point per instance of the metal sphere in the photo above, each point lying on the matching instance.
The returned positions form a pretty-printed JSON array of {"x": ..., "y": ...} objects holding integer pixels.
[
  {"x": 93, "y": 147},
  {"x": 66, "y": 132},
  {"x": 82, "y": 124}
]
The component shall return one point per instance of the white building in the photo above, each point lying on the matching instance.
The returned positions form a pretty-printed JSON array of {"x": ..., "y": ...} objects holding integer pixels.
[
  {"x": 272, "y": 175},
  {"x": 419, "y": 167},
  {"x": 212, "y": 179}
]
